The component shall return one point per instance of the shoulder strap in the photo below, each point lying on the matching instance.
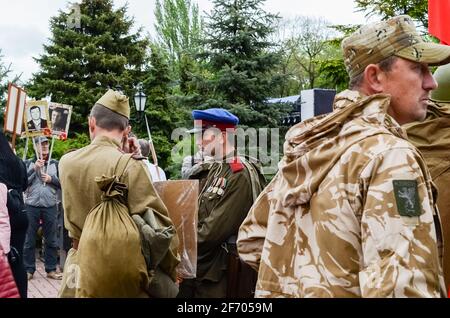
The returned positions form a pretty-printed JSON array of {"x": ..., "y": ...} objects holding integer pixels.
[
  {"x": 121, "y": 165},
  {"x": 254, "y": 177}
]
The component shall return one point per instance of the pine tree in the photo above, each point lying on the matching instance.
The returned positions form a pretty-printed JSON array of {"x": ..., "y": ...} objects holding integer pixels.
[
  {"x": 83, "y": 60},
  {"x": 241, "y": 61},
  {"x": 162, "y": 113}
]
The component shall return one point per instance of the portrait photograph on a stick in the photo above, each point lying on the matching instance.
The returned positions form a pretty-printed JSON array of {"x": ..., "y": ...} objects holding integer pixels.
[
  {"x": 36, "y": 118},
  {"x": 59, "y": 115}
]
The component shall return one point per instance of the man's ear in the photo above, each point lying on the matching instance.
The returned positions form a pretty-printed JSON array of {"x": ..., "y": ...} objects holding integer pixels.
[
  {"x": 92, "y": 123},
  {"x": 127, "y": 131},
  {"x": 223, "y": 137},
  {"x": 374, "y": 78}
]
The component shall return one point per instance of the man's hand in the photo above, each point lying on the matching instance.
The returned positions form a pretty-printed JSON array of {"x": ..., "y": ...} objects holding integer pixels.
[
  {"x": 131, "y": 145},
  {"x": 179, "y": 280},
  {"x": 38, "y": 165},
  {"x": 46, "y": 178},
  {"x": 134, "y": 146}
]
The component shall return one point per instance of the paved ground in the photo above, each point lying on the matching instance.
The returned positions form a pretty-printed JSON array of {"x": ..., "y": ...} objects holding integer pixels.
[{"x": 40, "y": 286}]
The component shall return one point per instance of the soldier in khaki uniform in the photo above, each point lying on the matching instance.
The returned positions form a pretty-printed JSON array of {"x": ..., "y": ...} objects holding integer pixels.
[
  {"x": 432, "y": 138},
  {"x": 229, "y": 189},
  {"x": 108, "y": 129},
  {"x": 351, "y": 212}
]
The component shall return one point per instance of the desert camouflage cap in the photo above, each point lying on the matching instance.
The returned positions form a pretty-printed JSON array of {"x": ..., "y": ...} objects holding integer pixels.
[{"x": 397, "y": 36}]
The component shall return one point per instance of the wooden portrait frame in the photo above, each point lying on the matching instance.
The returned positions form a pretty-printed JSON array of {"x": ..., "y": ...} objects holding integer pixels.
[
  {"x": 14, "y": 111},
  {"x": 43, "y": 131},
  {"x": 66, "y": 111}
]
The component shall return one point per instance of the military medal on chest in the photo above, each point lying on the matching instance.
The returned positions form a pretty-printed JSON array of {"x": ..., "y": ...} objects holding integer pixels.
[{"x": 217, "y": 186}]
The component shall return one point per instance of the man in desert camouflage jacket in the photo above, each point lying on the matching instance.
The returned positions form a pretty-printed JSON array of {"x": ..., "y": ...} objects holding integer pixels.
[{"x": 351, "y": 212}]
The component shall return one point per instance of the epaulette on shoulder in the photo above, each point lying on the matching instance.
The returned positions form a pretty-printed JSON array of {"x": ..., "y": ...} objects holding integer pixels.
[
  {"x": 135, "y": 156},
  {"x": 138, "y": 157},
  {"x": 236, "y": 165}
]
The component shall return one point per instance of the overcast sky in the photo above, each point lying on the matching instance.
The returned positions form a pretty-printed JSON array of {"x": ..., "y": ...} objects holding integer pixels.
[{"x": 24, "y": 26}]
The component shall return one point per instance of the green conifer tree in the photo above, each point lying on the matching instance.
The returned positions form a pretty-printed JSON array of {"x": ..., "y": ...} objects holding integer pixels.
[
  {"x": 241, "y": 62},
  {"x": 162, "y": 113},
  {"x": 86, "y": 55}
]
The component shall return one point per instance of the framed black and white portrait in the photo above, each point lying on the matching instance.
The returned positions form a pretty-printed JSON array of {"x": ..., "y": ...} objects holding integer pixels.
[
  {"x": 60, "y": 118},
  {"x": 36, "y": 118}
]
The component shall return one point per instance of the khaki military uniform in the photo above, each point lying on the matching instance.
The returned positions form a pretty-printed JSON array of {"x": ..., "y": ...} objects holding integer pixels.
[
  {"x": 200, "y": 172},
  {"x": 81, "y": 193},
  {"x": 225, "y": 199},
  {"x": 432, "y": 138},
  {"x": 350, "y": 213}
]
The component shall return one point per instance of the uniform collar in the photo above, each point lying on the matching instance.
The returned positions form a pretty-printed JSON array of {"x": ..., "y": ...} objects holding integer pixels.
[
  {"x": 106, "y": 141},
  {"x": 374, "y": 109}
]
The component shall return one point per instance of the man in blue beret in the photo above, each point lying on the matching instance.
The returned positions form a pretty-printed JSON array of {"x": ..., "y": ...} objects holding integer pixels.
[{"x": 231, "y": 185}]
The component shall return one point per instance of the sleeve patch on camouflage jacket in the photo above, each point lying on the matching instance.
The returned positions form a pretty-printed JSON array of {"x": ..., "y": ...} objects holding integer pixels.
[{"x": 407, "y": 197}]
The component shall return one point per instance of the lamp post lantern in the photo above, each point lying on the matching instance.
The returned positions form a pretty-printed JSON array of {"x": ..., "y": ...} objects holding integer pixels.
[{"x": 139, "y": 100}]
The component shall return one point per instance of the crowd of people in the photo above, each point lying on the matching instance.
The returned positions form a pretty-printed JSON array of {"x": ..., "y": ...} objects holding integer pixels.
[{"x": 353, "y": 210}]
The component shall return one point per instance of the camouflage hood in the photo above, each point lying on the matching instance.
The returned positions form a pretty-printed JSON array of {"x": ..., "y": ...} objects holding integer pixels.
[
  {"x": 314, "y": 146},
  {"x": 432, "y": 134}
]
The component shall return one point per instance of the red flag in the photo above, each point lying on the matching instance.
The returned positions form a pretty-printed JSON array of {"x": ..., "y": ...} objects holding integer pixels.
[{"x": 439, "y": 19}]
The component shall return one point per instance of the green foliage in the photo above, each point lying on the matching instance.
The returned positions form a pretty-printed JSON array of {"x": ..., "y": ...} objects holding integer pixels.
[
  {"x": 416, "y": 9},
  {"x": 76, "y": 142},
  {"x": 240, "y": 62},
  {"x": 163, "y": 146},
  {"x": 188, "y": 67},
  {"x": 333, "y": 69},
  {"x": 179, "y": 27},
  {"x": 174, "y": 167},
  {"x": 162, "y": 113},
  {"x": 79, "y": 64},
  {"x": 304, "y": 43},
  {"x": 60, "y": 147}
]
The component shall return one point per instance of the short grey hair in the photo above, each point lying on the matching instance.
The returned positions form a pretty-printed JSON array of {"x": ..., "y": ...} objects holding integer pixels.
[{"x": 385, "y": 65}]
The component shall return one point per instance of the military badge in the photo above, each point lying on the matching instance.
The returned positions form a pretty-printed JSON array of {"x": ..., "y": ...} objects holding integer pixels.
[{"x": 407, "y": 197}]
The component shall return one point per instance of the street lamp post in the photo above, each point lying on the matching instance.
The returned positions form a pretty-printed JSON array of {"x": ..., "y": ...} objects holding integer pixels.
[{"x": 139, "y": 101}]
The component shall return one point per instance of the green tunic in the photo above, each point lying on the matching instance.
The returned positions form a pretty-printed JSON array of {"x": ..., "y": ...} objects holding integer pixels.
[
  {"x": 432, "y": 138},
  {"x": 81, "y": 193},
  {"x": 224, "y": 202},
  {"x": 78, "y": 170}
]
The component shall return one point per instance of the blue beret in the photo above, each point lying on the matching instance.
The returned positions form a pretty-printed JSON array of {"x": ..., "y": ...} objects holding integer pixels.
[{"x": 217, "y": 115}]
